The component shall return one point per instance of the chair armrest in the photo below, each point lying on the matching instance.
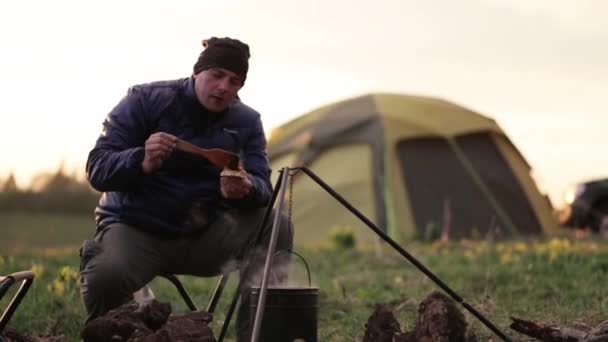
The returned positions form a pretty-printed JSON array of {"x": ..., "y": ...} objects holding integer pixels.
[{"x": 19, "y": 276}]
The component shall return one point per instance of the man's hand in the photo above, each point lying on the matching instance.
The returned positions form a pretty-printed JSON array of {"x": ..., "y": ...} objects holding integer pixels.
[
  {"x": 158, "y": 148},
  {"x": 235, "y": 187}
]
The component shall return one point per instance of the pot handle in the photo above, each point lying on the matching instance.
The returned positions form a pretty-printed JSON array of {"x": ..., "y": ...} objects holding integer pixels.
[{"x": 301, "y": 258}]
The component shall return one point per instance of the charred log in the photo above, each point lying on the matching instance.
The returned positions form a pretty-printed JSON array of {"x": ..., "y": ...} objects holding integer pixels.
[{"x": 554, "y": 333}]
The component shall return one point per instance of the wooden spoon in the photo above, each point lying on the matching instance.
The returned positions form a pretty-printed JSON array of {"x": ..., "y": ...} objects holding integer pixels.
[{"x": 216, "y": 156}]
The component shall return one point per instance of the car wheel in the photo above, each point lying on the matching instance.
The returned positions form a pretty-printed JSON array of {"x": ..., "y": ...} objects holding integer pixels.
[
  {"x": 599, "y": 219},
  {"x": 603, "y": 228}
]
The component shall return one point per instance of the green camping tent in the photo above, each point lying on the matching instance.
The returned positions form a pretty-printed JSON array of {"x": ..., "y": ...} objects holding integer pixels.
[{"x": 416, "y": 166}]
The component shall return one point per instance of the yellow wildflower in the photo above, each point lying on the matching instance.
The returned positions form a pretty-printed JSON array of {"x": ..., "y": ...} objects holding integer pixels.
[
  {"x": 593, "y": 247},
  {"x": 37, "y": 269},
  {"x": 57, "y": 287},
  {"x": 500, "y": 247},
  {"x": 520, "y": 247},
  {"x": 559, "y": 245},
  {"x": 337, "y": 284},
  {"x": 540, "y": 248},
  {"x": 481, "y": 247},
  {"x": 68, "y": 274},
  {"x": 469, "y": 254},
  {"x": 507, "y": 258}
]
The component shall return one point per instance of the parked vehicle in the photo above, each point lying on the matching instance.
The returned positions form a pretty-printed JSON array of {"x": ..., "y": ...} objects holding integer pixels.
[{"x": 587, "y": 206}]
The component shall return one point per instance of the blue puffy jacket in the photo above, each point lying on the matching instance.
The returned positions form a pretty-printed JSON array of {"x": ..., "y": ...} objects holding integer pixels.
[{"x": 168, "y": 200}]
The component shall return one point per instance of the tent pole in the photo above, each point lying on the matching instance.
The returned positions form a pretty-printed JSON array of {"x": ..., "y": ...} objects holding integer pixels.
[{"x": 404, "y": 253}]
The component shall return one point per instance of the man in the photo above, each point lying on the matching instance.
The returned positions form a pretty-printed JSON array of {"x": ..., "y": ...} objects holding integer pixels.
[{"x": 168, "y": 211}]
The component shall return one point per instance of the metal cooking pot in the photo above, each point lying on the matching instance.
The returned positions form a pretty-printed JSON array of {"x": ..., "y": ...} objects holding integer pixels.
[{"x": 290, "y": 313}]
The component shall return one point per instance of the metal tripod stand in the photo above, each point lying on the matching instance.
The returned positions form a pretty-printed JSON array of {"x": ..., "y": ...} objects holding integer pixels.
[{"x": 279, "y": 193}]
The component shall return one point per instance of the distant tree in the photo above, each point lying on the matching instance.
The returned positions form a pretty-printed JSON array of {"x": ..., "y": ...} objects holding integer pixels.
[
  {"x": 62, "y": 182},
  {"x": 59, "y": 182},
  {"x": 57, "y": 192},
  {"x": 10, "y": 184}
]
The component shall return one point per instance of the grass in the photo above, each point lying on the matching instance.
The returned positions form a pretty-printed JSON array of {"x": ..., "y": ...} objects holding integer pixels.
[
  {"x": 43, "y": 232},
  {"x": 559, "y": 280}
]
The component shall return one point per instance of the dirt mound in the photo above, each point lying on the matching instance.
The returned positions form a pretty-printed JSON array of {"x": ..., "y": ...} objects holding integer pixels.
[
  {"x": 149, "y": 323},
  {"x": 438, "y": 320},
  {"x": 383, "y": 327}
]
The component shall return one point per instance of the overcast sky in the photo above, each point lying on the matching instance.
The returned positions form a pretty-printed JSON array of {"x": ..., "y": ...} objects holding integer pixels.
[{"x": 539, "y": 68}]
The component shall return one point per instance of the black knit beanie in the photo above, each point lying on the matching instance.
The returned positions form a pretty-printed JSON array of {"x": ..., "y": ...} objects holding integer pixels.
[{"x": 230, "y": 54}]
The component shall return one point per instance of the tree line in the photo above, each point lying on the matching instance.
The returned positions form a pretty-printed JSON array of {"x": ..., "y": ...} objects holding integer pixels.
[{"x": 57, "y": 192}]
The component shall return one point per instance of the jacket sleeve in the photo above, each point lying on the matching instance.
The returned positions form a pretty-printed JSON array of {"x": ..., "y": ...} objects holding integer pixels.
[
  {"x": 114, "y": 164},
  {"x": 258, "y": 169}
]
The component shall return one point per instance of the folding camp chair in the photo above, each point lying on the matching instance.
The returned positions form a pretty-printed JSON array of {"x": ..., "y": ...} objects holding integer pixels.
[
  {"x": 146, "y": 292},
  {"x": 26, "y": 278}
]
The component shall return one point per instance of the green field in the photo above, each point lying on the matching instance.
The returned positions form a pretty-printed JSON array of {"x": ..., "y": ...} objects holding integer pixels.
[
  {"x": 559, "y": 280},
  {"x": 43, "y": 233}
]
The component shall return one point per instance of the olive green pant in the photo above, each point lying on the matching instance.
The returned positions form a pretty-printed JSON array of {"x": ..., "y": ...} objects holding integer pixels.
[{"x": 122, "y": 259}]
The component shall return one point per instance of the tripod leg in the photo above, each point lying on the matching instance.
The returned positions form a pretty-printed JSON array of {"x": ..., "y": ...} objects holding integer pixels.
[
  {"x": 256, "y": 241},
  {"x": 405, "y": 254},
  {"x": 259, "y": 314}
]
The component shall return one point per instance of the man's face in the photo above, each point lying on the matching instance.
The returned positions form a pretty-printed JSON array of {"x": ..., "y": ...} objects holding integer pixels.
[{"x": 216, "y": 88}]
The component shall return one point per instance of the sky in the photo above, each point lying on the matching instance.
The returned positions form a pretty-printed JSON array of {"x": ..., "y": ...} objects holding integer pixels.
[{"x": 539, "y": 68}]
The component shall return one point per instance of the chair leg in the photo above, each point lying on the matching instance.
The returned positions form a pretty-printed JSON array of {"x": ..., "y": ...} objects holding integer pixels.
[
  {"x": 27, "y": 277},
  {"x": 217, "y": 293},
  {"x": 189, "y": 302},
  {"x": 144, "y": 296},
  {"x": 182, "y": 291}
]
